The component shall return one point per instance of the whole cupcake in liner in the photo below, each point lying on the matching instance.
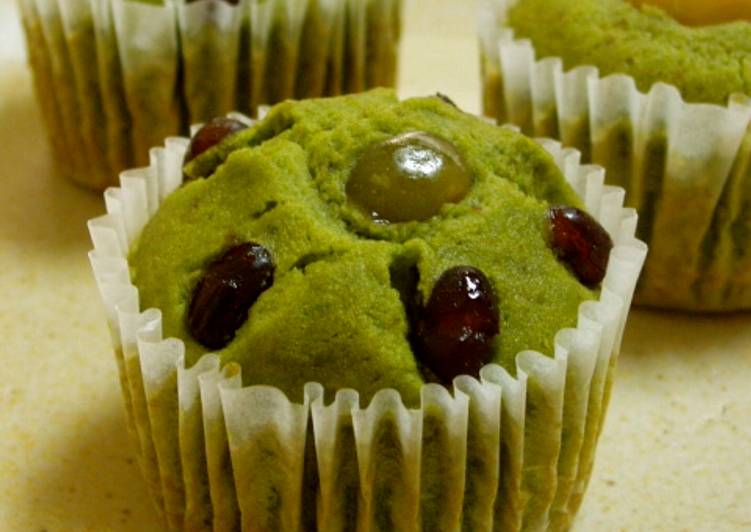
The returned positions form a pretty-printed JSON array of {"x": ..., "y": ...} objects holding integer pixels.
[
  {"x": 685, "y": 166},
  {"x": 115, "y": 77},
  {"x": 513, "y": 449}
]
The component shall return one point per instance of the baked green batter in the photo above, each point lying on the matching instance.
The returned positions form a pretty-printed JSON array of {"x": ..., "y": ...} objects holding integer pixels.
[
  {"x": 334, "y": 313},
  {"x": 707, "y": 64}
]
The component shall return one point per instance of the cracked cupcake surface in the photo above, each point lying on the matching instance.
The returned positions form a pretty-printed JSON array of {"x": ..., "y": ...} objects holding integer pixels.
[{"x": 340, "y": 308}]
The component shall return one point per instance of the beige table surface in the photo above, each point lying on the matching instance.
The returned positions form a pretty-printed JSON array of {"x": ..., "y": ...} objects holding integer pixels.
[{"x": 675, "y": 453}]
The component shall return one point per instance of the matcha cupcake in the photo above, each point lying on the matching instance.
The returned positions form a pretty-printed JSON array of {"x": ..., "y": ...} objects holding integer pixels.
[
  {"x": 660, "y": 103},
  {"x": 115, "y": 77},
  {"x": 378, "y": 314}
]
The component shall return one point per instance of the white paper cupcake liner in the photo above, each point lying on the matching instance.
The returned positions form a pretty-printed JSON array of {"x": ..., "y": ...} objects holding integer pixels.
[
  {"x": 115, "y": 77},
  {"x": 686, "y": 167},
  {"x": 498, "y": 453}
]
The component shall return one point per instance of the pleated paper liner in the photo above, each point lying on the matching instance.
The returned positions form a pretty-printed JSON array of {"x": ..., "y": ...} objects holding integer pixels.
[
  {"x": 685, "y": 167},
  {"x": 115, "y": 77},
  {"x": 498, "y": 453}
]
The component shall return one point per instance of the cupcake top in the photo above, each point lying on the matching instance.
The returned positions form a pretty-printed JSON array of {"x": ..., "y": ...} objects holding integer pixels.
[
  {"x": 367, "y": 243},
  {"x": 707, "y": 63},
  {"x": 701, "y": 12}
]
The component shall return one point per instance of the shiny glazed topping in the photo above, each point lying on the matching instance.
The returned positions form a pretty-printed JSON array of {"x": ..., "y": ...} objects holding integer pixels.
[
  {"x": 409, "y": 177},
  {"x": 211, "y": 134},
  {"x": 223, "y": 297},
  {"x": 580, "y": 242},
  {"x": 454, "y": 332}
]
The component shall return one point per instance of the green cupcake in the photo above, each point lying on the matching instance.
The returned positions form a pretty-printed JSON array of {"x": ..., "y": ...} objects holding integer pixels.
[
  {"x": 127, "y": 74},
  {"x": 669, "y": 123},
  {"x": 281, "y": 256}
]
